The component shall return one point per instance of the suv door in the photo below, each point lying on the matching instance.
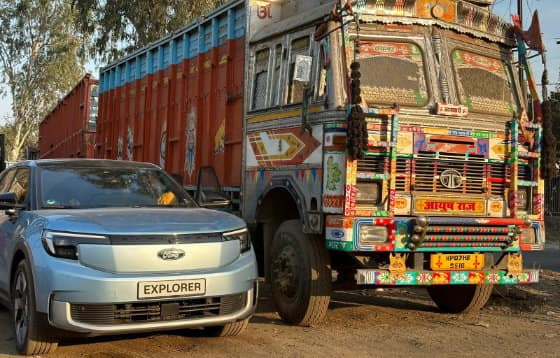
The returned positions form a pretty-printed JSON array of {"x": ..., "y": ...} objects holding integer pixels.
[{"x": 15, "y": 180}]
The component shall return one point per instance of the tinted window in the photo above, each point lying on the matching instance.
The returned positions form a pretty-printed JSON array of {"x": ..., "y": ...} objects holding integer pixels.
[
  {"x": 20, "y": 185},
  {"x": 62, "y": 187},
  {"x": 6, "y": 180}
]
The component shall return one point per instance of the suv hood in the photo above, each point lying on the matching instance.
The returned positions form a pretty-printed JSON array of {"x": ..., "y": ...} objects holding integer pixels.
[{"x": 140, "y": 221}]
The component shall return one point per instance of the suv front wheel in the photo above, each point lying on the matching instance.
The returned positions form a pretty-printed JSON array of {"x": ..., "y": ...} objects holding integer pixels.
[{"x": 30, "y": 327}]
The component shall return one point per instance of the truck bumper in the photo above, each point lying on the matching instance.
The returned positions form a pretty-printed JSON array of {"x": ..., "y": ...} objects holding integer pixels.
[{"x": 428, "y": 278}]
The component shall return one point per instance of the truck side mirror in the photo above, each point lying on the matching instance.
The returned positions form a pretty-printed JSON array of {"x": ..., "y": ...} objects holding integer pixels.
[
  {"x": 302, "y": 73},
  {"x": 209, "y": 193}
]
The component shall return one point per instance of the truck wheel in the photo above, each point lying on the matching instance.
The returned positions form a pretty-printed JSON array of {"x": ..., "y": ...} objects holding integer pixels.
[
  {"x": 300, "y": 275},
  {"x": 460, "y": 299},
  {"x": 228, "y": 329},
  {"x": 30, "y": 326}
]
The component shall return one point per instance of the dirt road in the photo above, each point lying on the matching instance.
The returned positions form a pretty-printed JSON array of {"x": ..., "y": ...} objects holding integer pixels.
[{"x": 389, "y": 323}]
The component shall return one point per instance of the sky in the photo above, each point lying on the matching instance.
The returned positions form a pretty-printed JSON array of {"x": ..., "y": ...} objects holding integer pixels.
[{"x": 549, "y": 14}]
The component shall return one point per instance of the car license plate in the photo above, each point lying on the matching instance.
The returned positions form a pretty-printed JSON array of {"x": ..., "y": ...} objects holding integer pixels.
[
  {"x": 172, "y": 288},
  {"x": 457, "y": 262}
]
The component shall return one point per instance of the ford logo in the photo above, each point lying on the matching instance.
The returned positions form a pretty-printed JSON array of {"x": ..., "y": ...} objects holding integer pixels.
[
  {"x": 171, "y": 254},
  {"x": 337, "y": 234}
]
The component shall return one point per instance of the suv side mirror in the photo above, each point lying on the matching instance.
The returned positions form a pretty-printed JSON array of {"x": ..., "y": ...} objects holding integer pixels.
[{"x": 8, "y": 202}]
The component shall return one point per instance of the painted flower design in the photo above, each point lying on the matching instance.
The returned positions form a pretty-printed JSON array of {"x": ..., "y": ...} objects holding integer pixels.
[
  {"x": 510, "y": 279},
  {"x": 384, "y": 277},
  {"x": 406, "y": 280},
  {"x": 523, "y": 277},
  {"x": 493, "y": 277},
  {"x": 459, "y": 277},
  {"x": 424, "y": 277}
]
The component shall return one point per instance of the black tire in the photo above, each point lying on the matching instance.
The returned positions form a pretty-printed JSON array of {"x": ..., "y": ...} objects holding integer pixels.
[
  {"x": 228, "y": 329},
  {"x": 30, "y": 327},
  {"x": 460, "y": 298},
  {"x": 300, "y": 275}
]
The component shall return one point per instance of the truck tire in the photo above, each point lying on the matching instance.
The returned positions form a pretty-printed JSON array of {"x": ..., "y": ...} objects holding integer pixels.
[
  {"x": 300, "y": 275},
  {"x": 30, "y": 327},
  {"x": 228, "y": 329},
  {"x": 460, "y": 298}
]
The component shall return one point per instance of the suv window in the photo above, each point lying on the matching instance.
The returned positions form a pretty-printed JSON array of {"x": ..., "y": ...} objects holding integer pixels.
[
  {"x": 6, "y": 180},
  {"x": 20, "y": 185}
]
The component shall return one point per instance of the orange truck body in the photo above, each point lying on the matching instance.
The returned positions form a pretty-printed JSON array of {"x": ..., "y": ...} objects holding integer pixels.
[{"x": 68, "y": 131}]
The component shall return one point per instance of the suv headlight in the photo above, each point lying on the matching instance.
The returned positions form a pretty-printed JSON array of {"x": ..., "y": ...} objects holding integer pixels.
[
  {"x": 65, "y": 244},
  {"x": 242, "y": 235}
]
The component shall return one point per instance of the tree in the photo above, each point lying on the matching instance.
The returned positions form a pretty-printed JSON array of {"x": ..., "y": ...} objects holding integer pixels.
[
  {"x": 120, "y": 26},
  {"x": 41, "y": 57}
]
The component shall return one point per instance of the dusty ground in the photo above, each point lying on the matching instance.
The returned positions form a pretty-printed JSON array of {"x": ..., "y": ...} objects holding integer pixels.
[{"x": 517, "y": 322}]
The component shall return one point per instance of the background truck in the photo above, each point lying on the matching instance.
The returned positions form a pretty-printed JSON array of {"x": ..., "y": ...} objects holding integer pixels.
[
  {"x": 68, "y": 131},
  {"x": 379, "y": 143}
]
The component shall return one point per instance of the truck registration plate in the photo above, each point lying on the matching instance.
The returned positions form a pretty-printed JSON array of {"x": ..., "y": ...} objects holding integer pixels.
[
  {"x": 457, "y": 262},
  {"x": 172, "y": 288}
]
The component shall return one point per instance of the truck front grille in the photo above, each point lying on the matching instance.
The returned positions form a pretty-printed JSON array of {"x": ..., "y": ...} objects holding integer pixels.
[{"x": 428, "y": 167}]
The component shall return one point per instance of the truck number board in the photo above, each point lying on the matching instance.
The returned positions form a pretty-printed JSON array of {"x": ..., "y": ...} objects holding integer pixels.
[{"x": 457, "y": 262}]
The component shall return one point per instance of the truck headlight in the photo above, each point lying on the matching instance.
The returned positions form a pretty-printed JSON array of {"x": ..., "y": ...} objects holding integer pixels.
[
  {"x": 242, "y": 235},
  {"x": 370, "y": 234},
  {"x": 65, "y": 244},
  {"x": 528, "y": 236},
  {"x": 523, "y": 199},
  {"x": 368, "y": 193}
]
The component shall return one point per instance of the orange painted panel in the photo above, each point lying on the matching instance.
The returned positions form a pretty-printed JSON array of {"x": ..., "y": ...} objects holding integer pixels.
[
  {"x": 64, "y": 132},
  {"x": 183, "y": 117}
]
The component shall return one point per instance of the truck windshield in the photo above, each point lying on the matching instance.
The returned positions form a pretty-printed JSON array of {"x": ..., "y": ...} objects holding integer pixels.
[
  {"x": 392, "y": 72},
  {"x": 90, "y": 187},
  {"x": 484, "y": 83}
]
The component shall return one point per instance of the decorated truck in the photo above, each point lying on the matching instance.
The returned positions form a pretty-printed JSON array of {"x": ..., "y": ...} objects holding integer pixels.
[
  {"x": 371, "y": 143},
  {"x": 68, "y": 131}
]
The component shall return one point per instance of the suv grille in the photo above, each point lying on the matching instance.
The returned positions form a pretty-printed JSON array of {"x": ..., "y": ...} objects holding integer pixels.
[{"x": 123, "y": 313}]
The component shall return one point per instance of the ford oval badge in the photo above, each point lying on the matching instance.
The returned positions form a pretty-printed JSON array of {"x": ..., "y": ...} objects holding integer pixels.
[{"x": 171, "y": 254}]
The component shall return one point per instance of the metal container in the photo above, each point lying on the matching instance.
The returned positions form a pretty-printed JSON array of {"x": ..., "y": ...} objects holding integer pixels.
[
  {"x": 178, "y": 102},
  {"x": 68, "y": 131}
]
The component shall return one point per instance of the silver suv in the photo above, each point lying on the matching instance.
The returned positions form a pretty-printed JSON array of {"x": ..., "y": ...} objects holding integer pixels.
[{"x": 106, "y": 247}]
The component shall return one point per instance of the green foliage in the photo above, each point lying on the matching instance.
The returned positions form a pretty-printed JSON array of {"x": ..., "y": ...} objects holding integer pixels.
[
  {"x": 120, "y": 26},
  {"x": 41, "y": 57}
]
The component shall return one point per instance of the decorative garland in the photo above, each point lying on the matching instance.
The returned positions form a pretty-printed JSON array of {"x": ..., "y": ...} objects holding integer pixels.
[{"x": 357, "y": 133}]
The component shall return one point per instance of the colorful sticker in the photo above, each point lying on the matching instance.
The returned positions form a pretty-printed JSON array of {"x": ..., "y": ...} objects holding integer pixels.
[
  {"x": 130, "y": 144},
  {"x": 190, "y": 145},
  {"x": 162, "y": 148},
  {"x": 282, "y": 147},
  {"x": 220, "y": 138},
  {"x": 119, "y": 148}
]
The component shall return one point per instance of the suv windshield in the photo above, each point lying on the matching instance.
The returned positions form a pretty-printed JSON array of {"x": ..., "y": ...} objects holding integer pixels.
[{"x": 93, "y": 187}]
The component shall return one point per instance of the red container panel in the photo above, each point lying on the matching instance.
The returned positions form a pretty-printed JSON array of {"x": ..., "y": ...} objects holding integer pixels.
[
  {"x": 178, "y": 103},
  {"x": 66, "y": 132}
]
